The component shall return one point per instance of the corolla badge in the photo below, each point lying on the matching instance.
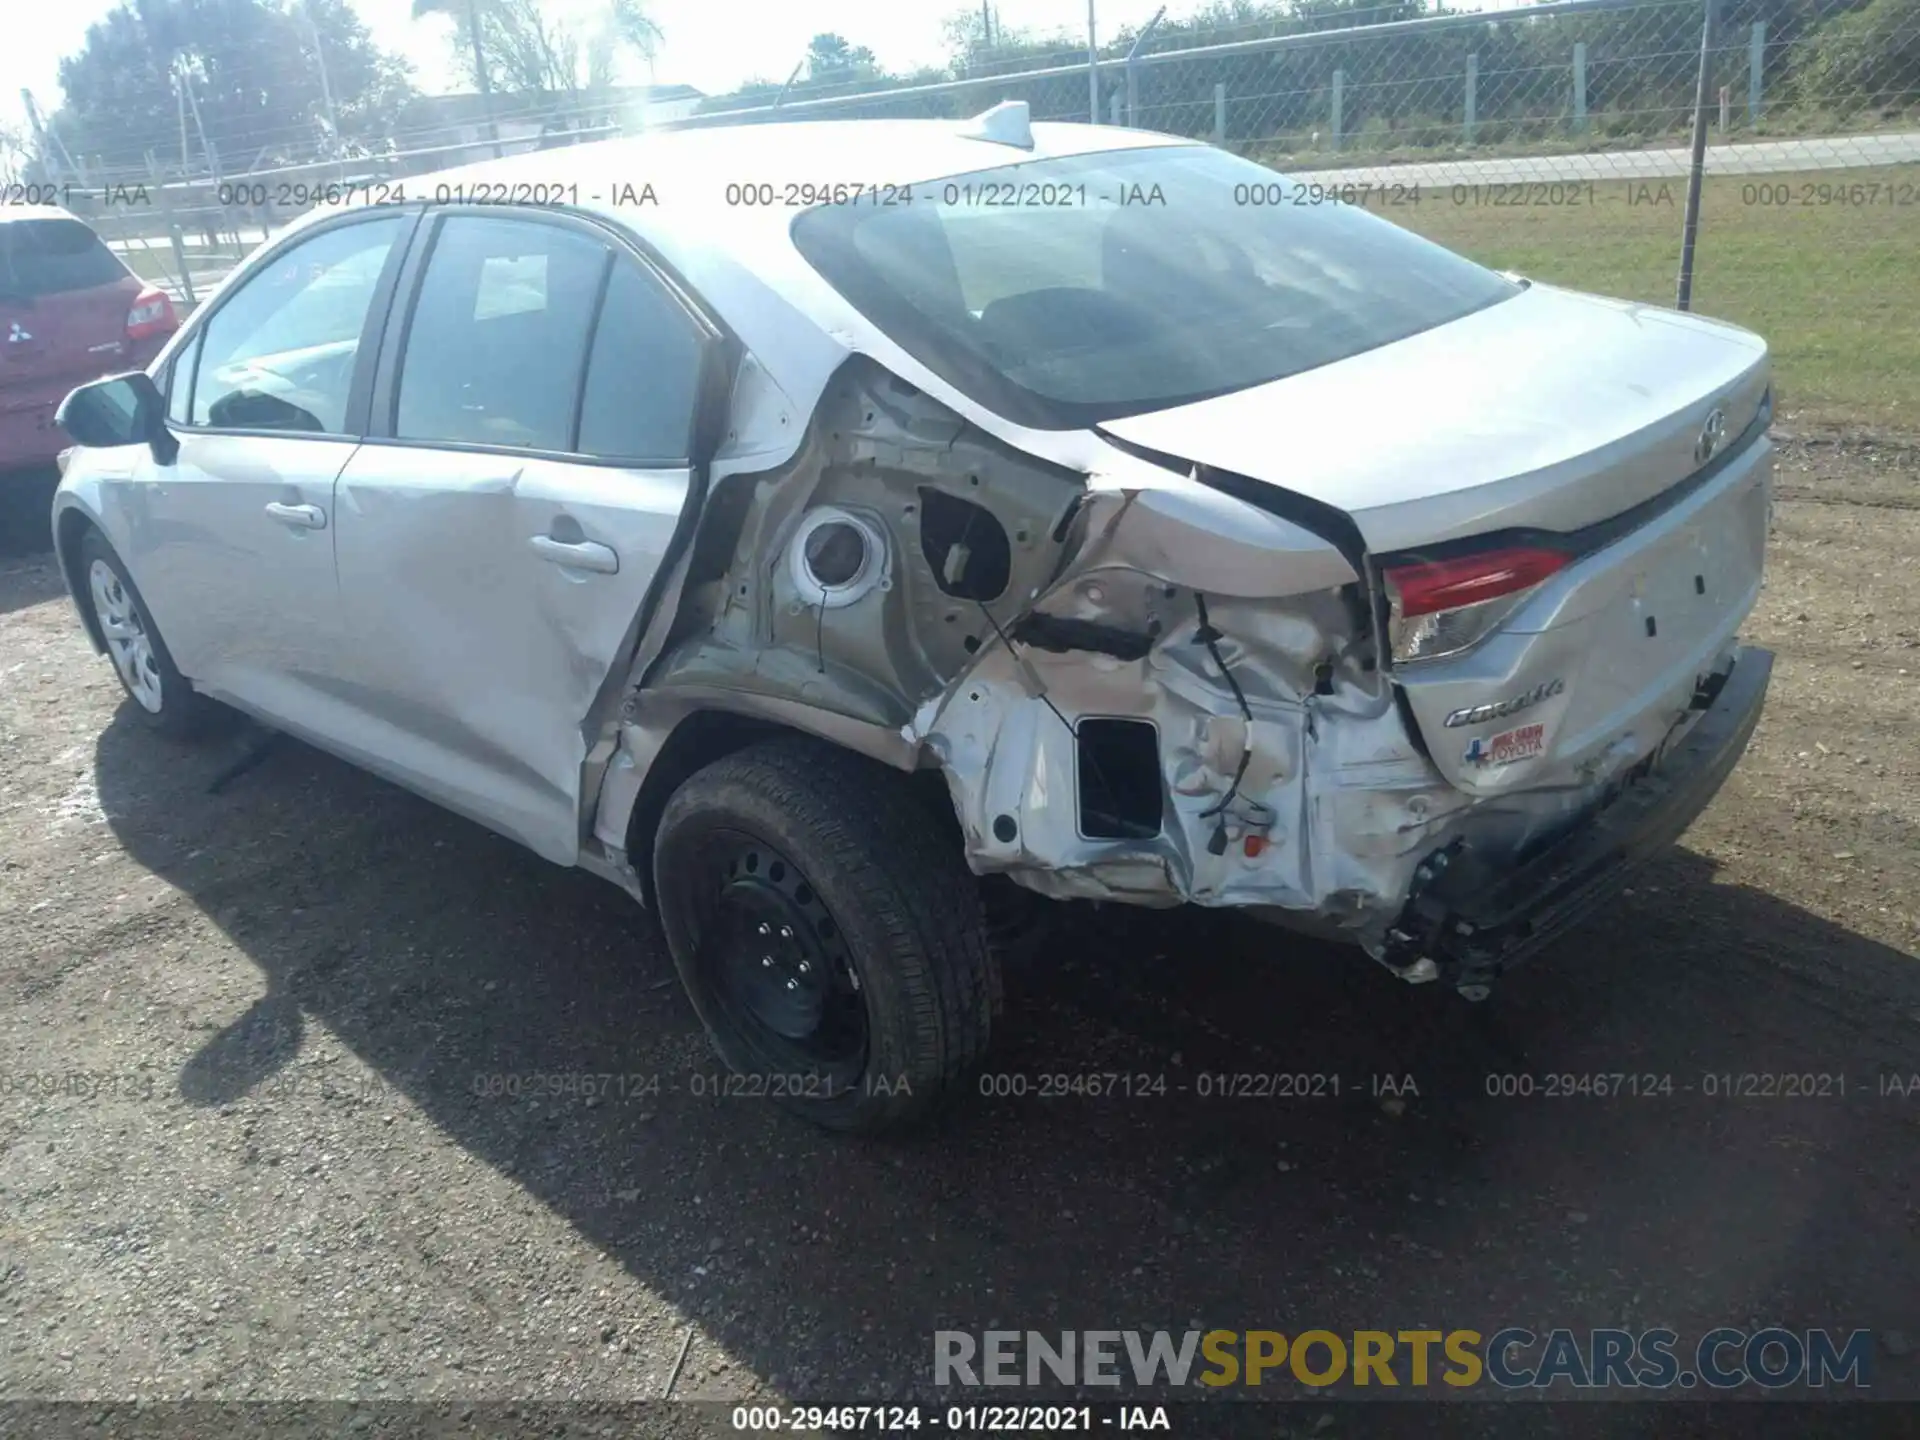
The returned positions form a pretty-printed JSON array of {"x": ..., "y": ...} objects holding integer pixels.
[
  {"x": 1512, "y": 705},
  {"x": 17, "y": 333},
  {"x": 1712, "y": 435}
]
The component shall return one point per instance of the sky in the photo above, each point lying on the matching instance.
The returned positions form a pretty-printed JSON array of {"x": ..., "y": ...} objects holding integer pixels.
[{"x": 712, "y": 45}]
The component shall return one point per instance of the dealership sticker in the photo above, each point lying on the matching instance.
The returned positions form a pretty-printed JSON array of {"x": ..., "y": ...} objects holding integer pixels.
[{"x": 1523, "y": 742}]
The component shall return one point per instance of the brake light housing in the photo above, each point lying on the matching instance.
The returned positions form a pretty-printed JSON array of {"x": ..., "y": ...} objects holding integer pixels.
[
  {"x": 152, "y": 314},
  {"x": 1439, "y": 608}
]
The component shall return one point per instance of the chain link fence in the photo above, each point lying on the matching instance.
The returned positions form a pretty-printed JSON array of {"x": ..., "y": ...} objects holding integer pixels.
[{"x": 1558, "y": 139}]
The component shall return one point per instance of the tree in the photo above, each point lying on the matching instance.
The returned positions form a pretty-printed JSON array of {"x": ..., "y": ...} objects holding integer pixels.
[
  {"x": 532, "y": 46},
  {"x": 1867, "y": 60},
  {"x": 14, "y": 155},
  {"x": 252, "y": 68},
  {"x": 467, "y": 10},
  {"x": 830, "y": 59}
]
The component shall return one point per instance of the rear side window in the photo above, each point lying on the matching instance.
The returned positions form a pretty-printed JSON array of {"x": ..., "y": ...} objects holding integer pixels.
[
  {"x": 499, "y": 334},
  {"x": 51, "y": 257},
  {"x": 642, "y": 379}
]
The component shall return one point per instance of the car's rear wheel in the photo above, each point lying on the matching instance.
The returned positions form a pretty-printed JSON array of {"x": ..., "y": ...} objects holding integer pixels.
[
  {"x": 833, "y": 945},
  {"x": 162, "y": 698}
]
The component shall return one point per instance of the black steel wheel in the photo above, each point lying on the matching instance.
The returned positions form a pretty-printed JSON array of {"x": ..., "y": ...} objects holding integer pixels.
[
  {"x": 781, "y": 967},
  {"x": 829, "y": 936}
]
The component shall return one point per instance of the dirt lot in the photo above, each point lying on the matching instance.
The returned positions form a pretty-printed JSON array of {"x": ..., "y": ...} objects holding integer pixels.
[{"x": 295, "y": 993}]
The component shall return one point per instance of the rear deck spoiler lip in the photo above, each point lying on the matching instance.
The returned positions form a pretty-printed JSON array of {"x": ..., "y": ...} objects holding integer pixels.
[
  {"x": 1578, "y": 544},
  {"x": 1339, "y": 529}
]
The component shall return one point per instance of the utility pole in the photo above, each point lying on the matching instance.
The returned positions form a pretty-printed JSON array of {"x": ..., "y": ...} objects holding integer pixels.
[
  {"x": 1093, "y": 70},
  {"x": 320, "y": 61},
  {"x": 180, "y": 104},
  {"x": 480, "y": 73},
  {"x": 46, "y": 140},
  {"x": 199, "y": 125},
  {"x": 781, "y": 98}
]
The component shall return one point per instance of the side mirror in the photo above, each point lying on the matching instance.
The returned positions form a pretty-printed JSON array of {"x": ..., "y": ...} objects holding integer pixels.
[{"x": 120, "y": 410}]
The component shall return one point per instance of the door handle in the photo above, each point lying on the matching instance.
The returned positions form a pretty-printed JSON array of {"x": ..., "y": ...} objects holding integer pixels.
[
  {"x": 577, "y": 554},
  {"x": 305, "y": 517}
]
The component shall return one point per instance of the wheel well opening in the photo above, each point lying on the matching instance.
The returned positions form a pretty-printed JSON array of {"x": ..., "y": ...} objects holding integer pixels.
[
  {"x": 704, "y": 736},
  {"x": 699, "y": 739},
  {"x": 69, "y": 531}
]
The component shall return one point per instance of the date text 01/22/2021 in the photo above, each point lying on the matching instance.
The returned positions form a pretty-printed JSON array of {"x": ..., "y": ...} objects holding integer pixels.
[{"x": 998, "y": 1419}]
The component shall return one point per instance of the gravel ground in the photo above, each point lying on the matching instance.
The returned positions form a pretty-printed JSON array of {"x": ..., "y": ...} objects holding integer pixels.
[{"x": 294, "y": 995}]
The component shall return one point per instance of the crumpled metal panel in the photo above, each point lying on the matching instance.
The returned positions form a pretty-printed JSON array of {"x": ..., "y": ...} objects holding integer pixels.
[{"x": 1100, "y": 616}]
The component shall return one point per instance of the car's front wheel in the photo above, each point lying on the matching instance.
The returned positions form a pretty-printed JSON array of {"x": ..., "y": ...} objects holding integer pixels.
[
  {"x": 163, "y": 699},
  {"x": 828, "y": 935}
]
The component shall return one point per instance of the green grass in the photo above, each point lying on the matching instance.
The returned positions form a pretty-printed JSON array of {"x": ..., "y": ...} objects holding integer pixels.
[{"x": 1834, "y": 287}]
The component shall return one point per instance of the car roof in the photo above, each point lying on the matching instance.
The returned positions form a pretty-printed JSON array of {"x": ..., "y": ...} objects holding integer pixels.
[
  {"x": 673, "y": 185},
  {"x": 11, "y": 213},
  {"x": 670, "y": 191},
  {"x": 872, "y": 152}
]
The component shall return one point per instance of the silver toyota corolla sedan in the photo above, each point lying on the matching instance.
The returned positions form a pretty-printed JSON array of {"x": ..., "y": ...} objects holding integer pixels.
[{"x": 794, "y": 523}]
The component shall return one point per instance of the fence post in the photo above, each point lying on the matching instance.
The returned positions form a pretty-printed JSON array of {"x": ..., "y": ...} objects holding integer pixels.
[
  {"x": 1133, "y": 93},
  {"x": 173, "y": 229},
  {"x": 1220, "y": 113},
  {"x": 1756, "y": 62},
  {"x": 1473, "y": 81},
  {"x": 1339, "y": 84},
  {"x": 1580, "y": 86},
  {"x": 1690, "y": 226}
]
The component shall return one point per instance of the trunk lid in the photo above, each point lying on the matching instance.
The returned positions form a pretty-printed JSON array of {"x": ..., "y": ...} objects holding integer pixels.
[
  {"x": 64, "y": 299},
  {"x": 1632, "y": 436},
  {"x": 1551, "y": 410}
]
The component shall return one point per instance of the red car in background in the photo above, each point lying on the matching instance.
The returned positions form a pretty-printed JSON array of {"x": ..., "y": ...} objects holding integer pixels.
[{"x": 70, "y": 312}]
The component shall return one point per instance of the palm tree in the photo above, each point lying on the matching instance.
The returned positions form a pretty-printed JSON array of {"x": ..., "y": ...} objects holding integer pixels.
[{"x": 469, "y": 9}]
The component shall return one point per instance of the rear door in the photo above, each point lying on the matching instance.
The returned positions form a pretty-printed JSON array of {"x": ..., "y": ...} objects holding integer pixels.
[{"x": 531, "y": 451}]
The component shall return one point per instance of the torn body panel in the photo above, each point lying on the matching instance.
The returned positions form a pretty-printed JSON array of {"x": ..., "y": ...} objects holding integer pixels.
[
  {"x": 1138, "y": 684},
  {"x": 864, "y": 574},
  {"x": 1013, "y": 623}
]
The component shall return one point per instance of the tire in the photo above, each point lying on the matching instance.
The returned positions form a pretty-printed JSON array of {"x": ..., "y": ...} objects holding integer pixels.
[
  {"x": 805, "y": 897},
  {"x": 163, "y": 700}
]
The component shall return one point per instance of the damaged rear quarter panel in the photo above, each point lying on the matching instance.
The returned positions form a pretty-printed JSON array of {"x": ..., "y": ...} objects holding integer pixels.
[{"x": 1015, "y": 597}]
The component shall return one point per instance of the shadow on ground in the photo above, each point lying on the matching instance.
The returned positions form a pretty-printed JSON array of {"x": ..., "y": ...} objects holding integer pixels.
[
  {"x": 26, "y": 510},
  {"x": 441, "y": 955}
]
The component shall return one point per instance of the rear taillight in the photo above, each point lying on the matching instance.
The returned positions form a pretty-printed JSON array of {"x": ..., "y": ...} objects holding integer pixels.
[
  {"x": 1441, "y": 607},
  {"x": 152, "y": 314}
]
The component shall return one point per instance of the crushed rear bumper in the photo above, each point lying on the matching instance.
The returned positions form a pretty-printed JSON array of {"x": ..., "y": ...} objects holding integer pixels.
[{"x": 1474, "y": 918}]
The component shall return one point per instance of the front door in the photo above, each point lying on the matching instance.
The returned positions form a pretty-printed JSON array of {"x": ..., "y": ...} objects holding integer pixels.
[{"x": 232, "y": 544}]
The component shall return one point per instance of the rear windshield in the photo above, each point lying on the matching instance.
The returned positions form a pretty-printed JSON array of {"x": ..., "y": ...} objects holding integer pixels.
[
  {"x": 49, "y": 257},
  {"x": 1065, "y": 292}
]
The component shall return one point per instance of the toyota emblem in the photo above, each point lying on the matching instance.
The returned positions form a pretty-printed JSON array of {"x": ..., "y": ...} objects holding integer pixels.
[{"x": 1711, "y": 434}]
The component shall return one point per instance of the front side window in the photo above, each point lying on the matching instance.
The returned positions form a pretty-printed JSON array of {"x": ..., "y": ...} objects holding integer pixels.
[
  {"x": 499, "y": 334},
  {"x": 180, "y": 381},
  {"x": 1064, "y": 292},
  {"x": 279, "y": 353}
]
